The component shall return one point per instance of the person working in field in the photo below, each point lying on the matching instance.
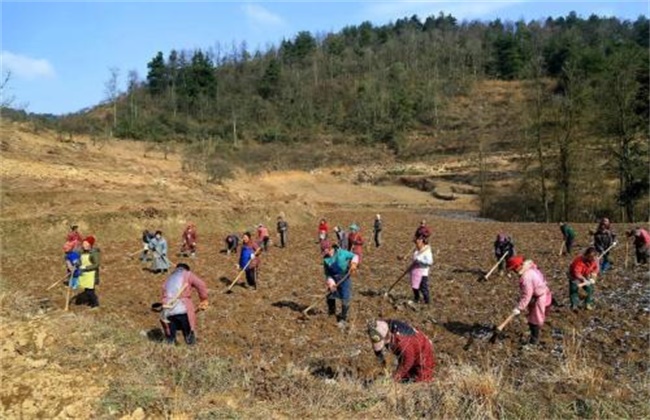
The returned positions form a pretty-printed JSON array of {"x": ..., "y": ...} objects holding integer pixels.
[
  {"x": 147, "y": 236},
  {"x": 74, "y": 234},
  {"x": 341, "y": 237},
  {"x": 376, "y": 229},
  {"x": 232, "y": 243},
  {"x": 413, "y": 349},
  {"x": 178, "y": 311},
  {"x": 422, "y": 260},
  {"x": 282, "y": 228},
  {"x": 534, "y": 294},
  {"x": 339, "y": 265},
  {"x": 72, "y": 263},
  {"x": 503, "y": 246},
  {"x": 158, "y": 245},
  {"x": 604, "y": 239},
  {"x": 422, "y": 230},
  {"x": 249, "y": 260},
  {"x": 355, "y": 241},
  {"x": 189, "y": 238},
  {"x": 89, "y": 273},
  {"x": 569, "y": 236},
  {"x": 323, "y": 229},
  {"x": 641, "y": 245},
  {"x": 582, "y": 275},
  {"x": 263, "y": 237}
]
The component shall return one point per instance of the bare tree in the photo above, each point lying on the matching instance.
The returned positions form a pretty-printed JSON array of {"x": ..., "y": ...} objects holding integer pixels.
[
  {"x": 111, "y": 88},
  {"x": 6, "y": 100}
]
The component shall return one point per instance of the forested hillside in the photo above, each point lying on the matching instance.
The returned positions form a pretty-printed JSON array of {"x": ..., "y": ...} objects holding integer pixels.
[{"x": 567, "y": 96}]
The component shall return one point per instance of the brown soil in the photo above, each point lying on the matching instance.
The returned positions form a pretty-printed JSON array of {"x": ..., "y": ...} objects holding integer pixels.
[{"x": 47, "y": 184}]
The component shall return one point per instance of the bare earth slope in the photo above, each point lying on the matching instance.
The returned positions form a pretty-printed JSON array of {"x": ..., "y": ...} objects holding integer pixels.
[{"x": 257, "y": 355}]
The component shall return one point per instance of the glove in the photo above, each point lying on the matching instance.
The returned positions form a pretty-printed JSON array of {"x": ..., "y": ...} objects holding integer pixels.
[
  {"x": 252, "y": 256},
  {"x": 592, "y": 281},
  {"x": 615, "y": 243},
  {"x": 203, "y": 305},
  {"x": 516, "y": 311},
  {"x": 331, "y": 284}
]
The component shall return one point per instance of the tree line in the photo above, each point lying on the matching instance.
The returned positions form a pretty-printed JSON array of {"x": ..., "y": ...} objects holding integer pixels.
[{"x": 586, "y": 85}]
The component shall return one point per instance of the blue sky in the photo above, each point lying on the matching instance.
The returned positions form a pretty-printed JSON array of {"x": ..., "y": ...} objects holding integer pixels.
[{"x": 59, "y": 54}]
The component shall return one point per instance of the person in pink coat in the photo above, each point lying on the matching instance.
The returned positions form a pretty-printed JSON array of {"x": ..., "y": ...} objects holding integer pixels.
[
  {"x": 534, "y": 294},
  {"x": 178, "y": 312}
]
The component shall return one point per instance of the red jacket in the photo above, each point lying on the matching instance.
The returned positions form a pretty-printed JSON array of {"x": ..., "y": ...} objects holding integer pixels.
[
  {"x": 355, "y": 242},
  {"x": 414, "y": 352},
  {"x": 322, "y": 227},
  {"x": 582, "y": 268},
  {"x": 74, "y": 236}
]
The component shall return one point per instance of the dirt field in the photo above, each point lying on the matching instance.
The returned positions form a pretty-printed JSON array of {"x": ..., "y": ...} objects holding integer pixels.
[{"x": 257, "y": 355}]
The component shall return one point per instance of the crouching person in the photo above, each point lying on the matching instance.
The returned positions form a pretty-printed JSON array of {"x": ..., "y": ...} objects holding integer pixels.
[
  {"x": 412, "y": 348},
  {"x": 178, "y": 309},
  {"x": 534, "y": 294}
]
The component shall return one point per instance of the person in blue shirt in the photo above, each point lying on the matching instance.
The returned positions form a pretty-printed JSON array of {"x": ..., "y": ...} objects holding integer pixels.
[{"x": 339, "y": 265}]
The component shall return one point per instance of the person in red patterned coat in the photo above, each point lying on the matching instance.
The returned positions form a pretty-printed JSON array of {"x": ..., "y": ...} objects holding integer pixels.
[
  {"x": 412, "y": 348},
  {"x": 189, "y": 240}
]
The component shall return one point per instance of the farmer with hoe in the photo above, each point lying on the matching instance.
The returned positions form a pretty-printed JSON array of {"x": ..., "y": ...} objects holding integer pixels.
[
  {"x": 503, "y": 246},
  {"x": 322, "y": 230},
  {"x": 89, "y": 269},
  {"x": 263, "y": 237},
  {"x": 189, "y": 241},
  {"x": 339, "y": 265},
  {"x": 232, "y": 243},
  {"x": 74, "y": 234},
  {"x": 376, "y": 228},
  {"x": 178, "y": 311},
  {"x": 422, "y": 260},
  {"x": 641, "y": 244},
  {"x": 534, "y": 294},
  {"x": 569, "y": 236},
  {"x": 282, "y": 228},
  {"x": 604, "y": 239},
  {"x": 422, "y": 230},
  {"x": 582, "y": 275},
  {"x": 355, "y": 241},
  {"x": 147, "y": 236},
  {"x": 412, "y": 348},
  {"x": 249, "y": 260},
  {"x": 158, "y": 245},
  {"x": 341, "y": 237}
]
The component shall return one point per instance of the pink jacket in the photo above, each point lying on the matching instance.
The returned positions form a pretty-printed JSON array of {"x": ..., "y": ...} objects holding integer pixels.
[
  {"x": 534, "y": 293},
  {"x": 262, "y": 232},
  {"x": 192, "y": 281}
]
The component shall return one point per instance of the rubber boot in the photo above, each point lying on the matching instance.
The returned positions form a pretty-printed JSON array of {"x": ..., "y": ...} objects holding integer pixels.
[
  {"x": 331, "y": 307},
  {"x": 534, "y": 334}
]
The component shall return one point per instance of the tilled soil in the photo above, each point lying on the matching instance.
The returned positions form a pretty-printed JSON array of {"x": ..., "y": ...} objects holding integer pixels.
[{"x": 267, "y": 330}]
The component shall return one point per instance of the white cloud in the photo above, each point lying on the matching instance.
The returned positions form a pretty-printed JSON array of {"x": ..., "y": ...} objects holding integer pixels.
[
  {"x": 259, "y": 15},
  {"x": 24, "y": 67},
  {"x": 461, "y": 10}
]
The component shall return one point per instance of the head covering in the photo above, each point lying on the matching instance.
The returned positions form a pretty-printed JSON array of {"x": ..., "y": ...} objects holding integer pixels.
[
  {"x": 501, "y": 237},
  {"x": 325, "y": 246},
  {"x": 378, "y": 216},
  {"x": 184, "y": 266},
  {"x": 90, "y": 239},
  {"x": 378, "y": 331},
  {"x": 515, "y": 263},
  {"x": 354, "y": 227}
]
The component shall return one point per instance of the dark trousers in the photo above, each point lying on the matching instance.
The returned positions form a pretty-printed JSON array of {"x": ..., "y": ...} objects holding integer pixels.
[
  {"x": 283, "y": 239},
  {"x": 88, "y": 297},
  {"x": 377, "y": 238},
  {"x": 265, "y": 243},
  {"x": 251, "y": 277},
  {"x": 180, "y": 322},
  {"x": 568, "y": 243},
  {"x": 424, "y": 288}
]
